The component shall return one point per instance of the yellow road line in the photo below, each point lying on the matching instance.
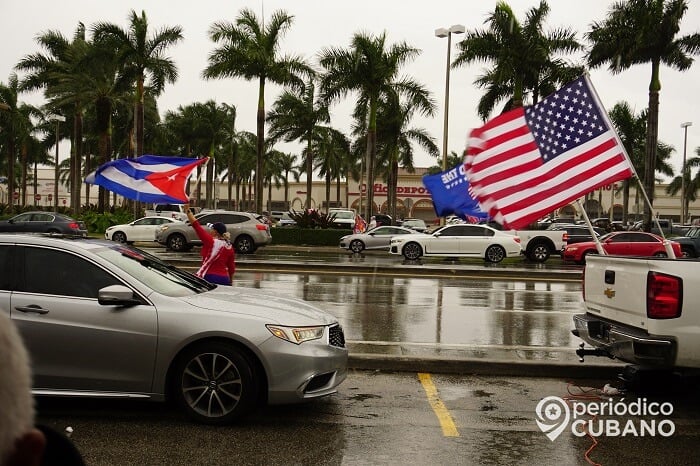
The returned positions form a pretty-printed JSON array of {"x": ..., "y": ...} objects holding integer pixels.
[{"x": 448, "y": 426}]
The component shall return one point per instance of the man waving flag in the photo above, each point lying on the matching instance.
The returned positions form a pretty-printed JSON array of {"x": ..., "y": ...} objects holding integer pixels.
[
  {"x": 149, "y": 178},
  {"x": 525, "y": 163}
]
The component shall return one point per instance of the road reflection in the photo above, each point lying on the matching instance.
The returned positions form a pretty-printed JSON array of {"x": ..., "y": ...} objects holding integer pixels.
[{"x": 511, "y": 315}]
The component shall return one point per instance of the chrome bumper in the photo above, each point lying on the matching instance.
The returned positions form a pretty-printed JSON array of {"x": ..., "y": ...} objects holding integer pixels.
[{"x": 626, "y": 343}]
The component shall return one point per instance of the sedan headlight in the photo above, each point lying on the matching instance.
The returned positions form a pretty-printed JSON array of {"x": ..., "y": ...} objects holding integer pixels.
[{"x": 296, "y": 335}]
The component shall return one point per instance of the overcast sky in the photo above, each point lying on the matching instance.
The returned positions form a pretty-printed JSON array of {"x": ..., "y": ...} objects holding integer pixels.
[{"x": 331, "y": 23}]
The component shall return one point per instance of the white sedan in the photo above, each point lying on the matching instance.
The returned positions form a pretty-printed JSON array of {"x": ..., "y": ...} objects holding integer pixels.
[
  {"x": 463, "y": 240},
  {"x": 143, "y": 229}
]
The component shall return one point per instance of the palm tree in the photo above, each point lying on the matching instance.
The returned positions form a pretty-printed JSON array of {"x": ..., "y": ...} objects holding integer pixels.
[
  {"x": 631, "y": 129},
  {"x": 64, "y": 59},
  {"x": 644, "y": 31},
  {"x": 396, "y": 140},
  {"x": 332, "y": 148},
  {"x": 524, "y": 58},
  {"x": 250, "y": 50},
  {"x": 370, "y": 68},
  {"x": 297, "y": 115},
  {"x": 209, "y": 125},
  {"x": 96, "y": 83},
  {"x": 692, "y": 184},
  {"x": 142, "y": 57},
  {"x": 287, "y": 165}
]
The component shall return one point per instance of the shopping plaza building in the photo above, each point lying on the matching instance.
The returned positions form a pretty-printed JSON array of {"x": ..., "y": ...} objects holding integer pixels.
[{"x": 413, "y": 199}]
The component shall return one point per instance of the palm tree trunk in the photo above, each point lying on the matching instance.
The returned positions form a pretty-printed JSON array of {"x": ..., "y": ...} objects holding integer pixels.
[
  {"x": 23, "y": 166},
  {"x": 309, "y": 172},
  {"x": 371, "y": 155},
  {"x": 651, "y": 142}
]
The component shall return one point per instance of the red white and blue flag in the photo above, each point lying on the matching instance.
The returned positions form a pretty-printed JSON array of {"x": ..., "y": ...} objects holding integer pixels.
[
  {"x": 529, "y": 161},
  {"x": 149, "y": 178}
]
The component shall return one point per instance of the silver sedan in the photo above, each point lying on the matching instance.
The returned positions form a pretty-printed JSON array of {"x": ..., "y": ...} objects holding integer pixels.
[
  {"x": 376, "y": 238},
  {"x": 107, "y": 320}
]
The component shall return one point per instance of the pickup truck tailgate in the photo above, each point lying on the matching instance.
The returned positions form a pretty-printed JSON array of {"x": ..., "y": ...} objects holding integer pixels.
[{"x": 614, "y": 288}]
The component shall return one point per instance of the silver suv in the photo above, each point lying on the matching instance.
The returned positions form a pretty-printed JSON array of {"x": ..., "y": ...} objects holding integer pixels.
[{"x": 248, "y": 231}]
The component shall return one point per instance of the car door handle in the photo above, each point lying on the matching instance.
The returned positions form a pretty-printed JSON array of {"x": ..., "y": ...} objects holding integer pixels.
[{"x": 32, "y": 308}]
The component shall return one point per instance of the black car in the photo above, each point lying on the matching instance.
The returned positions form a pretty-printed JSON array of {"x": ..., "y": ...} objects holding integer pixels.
[
  {"x": 576, "y": 233},
  {"x": 43, "y": 222}
]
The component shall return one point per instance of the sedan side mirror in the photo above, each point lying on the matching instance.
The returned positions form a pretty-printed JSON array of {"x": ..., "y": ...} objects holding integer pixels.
[{"x": 117, "y": 295}]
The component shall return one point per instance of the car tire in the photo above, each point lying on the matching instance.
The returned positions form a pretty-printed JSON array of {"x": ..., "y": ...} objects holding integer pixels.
[
  {"x": 660, "y": 254},
  {"x": 412, "y": 251},
  {"x": 119, "y": 237},
  {"x": 539, "y": 252},
  {"x": 244, "y": 244},
  {"x": 584, "y": 254},
  {"x": 177, "y": 242},
  {"x": 495, "y": 253},
  {"x": 357, "y": 246},
  {"x": 215, "y": 383},
  {"x": 688, "y": 252}
]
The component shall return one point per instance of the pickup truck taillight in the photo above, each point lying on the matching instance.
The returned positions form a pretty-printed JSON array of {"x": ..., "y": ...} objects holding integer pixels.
[
  {"x": 565, "y": 238},
  {"x": 664, "y": 296}
]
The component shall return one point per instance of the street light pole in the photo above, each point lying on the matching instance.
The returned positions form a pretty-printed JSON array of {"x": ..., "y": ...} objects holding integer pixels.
[
  {"x": 684, "y": 214},
  {"x": 442, "y": 32},
  {"x": 58, "y": 119}
]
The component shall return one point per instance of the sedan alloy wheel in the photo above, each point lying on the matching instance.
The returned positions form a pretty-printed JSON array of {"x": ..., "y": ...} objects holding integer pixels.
[
  {"x": 495, "y": 253},
  {"x": 357, "y": 246},
  {"x": 412, "y": 251},
  {"x": 215, "y": 384}
]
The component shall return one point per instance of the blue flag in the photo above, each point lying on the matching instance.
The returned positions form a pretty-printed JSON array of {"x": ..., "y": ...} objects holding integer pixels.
[
  {"x": 149, "y": 178},
  {"x": 450, "y": 193}
]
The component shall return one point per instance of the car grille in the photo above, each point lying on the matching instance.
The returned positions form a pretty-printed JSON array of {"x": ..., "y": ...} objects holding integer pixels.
[{"x": 336, "y": 336}]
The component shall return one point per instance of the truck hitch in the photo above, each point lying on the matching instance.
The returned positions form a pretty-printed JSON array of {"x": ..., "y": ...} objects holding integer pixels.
[{"x": 582, "y": 352}]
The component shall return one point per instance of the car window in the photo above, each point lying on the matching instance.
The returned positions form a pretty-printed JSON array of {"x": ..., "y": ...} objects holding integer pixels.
[
  {"x": 5, "y": 267},
  {"x": 42, "y": 218},
  {"x": 48, "y": 271},
  {"x": 22, "y": 218}
]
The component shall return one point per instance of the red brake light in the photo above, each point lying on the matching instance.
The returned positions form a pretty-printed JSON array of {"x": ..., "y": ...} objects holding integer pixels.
[
  {"x": 261, "y": 226},
  {"x": 664, "y": 296},
  {"x": 565, "y": 237},
  {"x": 73, "y": 226}
]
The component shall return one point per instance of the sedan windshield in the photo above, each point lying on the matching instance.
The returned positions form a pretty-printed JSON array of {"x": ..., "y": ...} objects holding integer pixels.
[{"x": 154, "y": 273}]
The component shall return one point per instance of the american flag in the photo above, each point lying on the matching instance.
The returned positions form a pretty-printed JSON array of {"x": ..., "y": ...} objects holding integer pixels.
[{"x": 527, "y": 162}]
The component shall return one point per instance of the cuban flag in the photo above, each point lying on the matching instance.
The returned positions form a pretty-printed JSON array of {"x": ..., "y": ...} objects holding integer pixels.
[{"x": 149, "y": 178}]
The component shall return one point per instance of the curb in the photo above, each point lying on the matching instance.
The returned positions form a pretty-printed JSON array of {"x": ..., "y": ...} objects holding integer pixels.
[{"x": 390, "y": 363}]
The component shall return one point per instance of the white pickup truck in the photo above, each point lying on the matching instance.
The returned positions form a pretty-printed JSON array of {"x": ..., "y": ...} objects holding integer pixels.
[
  {"x": 641, "y": 311},
  {"x": 538, "y": 245}
]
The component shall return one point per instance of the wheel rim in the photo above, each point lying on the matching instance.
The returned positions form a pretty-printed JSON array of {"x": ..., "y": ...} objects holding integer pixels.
[
  {"x": 411, "y": 251},
  {"x": 540, "y": 253},
  {"x": 211, "y": 385},
  {"x": 244, "y": 245},
  {"x": 494, "y": 254},
  {"x": 119, "y": 237},
  {"x": 356, "y": 246},
  {"x": 177, "y": 243}
]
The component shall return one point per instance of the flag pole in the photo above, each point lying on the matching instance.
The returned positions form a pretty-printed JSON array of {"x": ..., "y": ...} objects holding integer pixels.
[
  {"x": 667, "y": 244},
  {"x": 598, "y": 246},
  {"x": 202, "y": 169}
]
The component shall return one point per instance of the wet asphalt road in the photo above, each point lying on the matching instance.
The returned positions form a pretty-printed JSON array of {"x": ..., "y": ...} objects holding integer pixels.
[
  {"x": 383, "y": 418},
  {"x": 407, "y": 417}
]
